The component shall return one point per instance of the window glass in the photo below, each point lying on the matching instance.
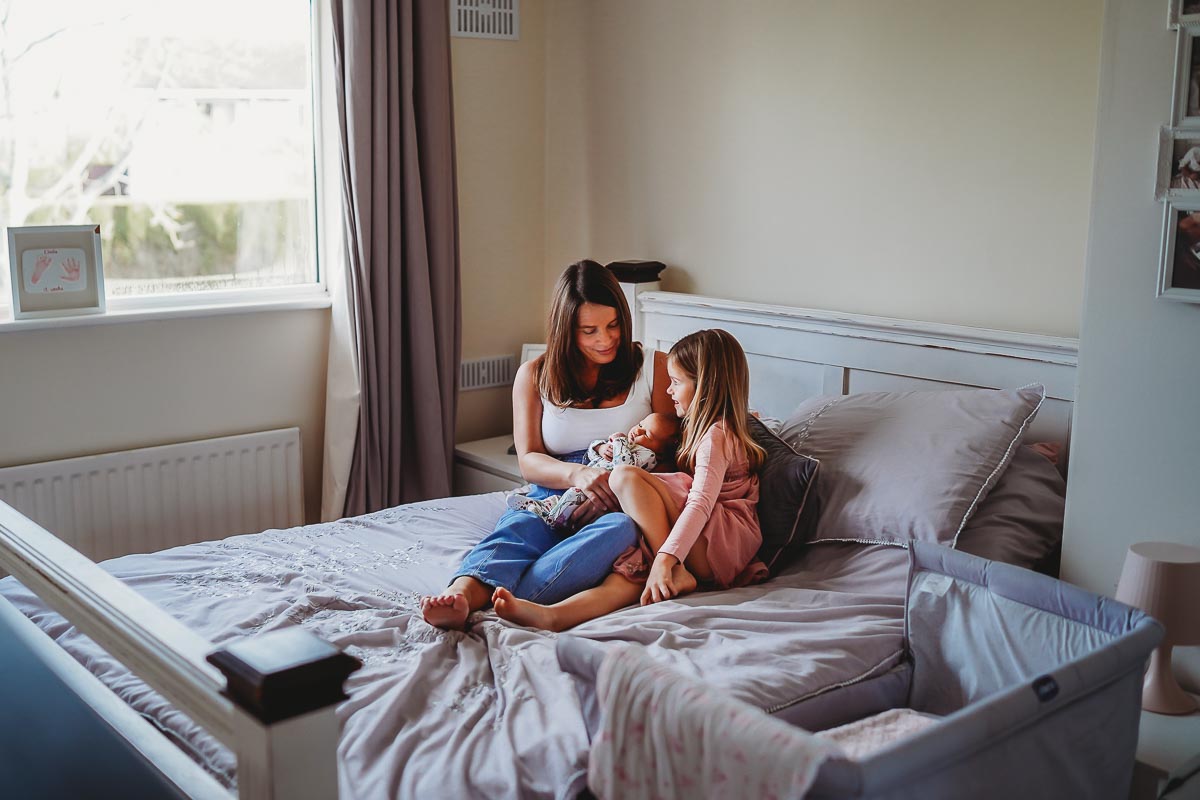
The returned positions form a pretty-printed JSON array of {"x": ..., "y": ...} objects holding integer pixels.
[{"x": 184, "y": 129}]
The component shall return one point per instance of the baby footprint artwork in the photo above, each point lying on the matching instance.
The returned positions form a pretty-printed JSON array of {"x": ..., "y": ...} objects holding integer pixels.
[{"x": 39, "y": 268}]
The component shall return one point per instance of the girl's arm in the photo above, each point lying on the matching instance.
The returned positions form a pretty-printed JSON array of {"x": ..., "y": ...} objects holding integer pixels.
[
  {"x": 712, "y": 461},
  {"x": 537, "y": 466}
]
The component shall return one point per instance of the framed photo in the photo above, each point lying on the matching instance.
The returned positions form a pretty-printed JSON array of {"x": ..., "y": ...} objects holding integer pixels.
[
  {"x": 1185, "y": 105},
  {"x": 1179, "y": 265},
  {"x": 1178, "y": 164},
  {"x": 55, "y": 270},
  {"x": 1182, "y": 12},
  {"x": 531, "y": 351}
]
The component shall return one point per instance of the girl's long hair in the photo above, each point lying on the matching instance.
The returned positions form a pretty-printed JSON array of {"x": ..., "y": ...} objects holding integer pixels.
[{"x": 717, "y": 363}]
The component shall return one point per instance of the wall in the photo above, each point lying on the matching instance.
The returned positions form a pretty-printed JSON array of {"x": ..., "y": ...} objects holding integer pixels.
[
  {"x": 928, "y": 159},
  {"x": 499, "y": 118},
  {"x": 75, "y": 391},
  {"x": 1135, "y": 442},
  {"x": 115, "y": 387}
]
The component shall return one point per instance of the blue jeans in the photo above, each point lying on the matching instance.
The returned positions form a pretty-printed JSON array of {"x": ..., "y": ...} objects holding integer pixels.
[{"x": 535, "y": 562}]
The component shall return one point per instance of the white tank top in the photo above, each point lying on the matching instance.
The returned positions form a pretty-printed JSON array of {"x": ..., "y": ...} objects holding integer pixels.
[{"x": 567, "y": 430}]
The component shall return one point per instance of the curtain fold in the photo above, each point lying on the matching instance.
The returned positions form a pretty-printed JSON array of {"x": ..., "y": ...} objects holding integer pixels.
[{"x": 395, "y": 118}]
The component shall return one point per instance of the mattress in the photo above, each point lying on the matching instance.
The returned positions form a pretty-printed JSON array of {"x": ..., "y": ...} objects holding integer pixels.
[{"x": 487, "y": 712}]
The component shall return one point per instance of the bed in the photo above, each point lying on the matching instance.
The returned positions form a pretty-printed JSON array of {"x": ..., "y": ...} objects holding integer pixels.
[{"x": 488, "y": 712}]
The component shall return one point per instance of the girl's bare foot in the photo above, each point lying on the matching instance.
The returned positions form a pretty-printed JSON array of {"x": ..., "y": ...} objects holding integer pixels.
[
  {"x": 685, "y": 582},
  {"x": 523, "y": 612},
  {"x": 448, "y": 611}
]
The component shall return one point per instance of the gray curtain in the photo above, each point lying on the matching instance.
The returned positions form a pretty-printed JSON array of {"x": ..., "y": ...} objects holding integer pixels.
[{"x": 395, "y": 112}]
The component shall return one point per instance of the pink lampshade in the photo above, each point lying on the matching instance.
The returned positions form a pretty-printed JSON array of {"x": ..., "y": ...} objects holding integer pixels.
[{"x": 1163, "y": 579}]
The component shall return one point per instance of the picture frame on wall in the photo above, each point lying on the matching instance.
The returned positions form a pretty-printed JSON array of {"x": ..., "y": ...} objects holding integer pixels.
[
  {"x": 55, "y": 270},
  {"x": 1185, "y": 103},
  {"x": 1178, "y": 164},
  {"x": 1179, "y": 264},
  {"x": 1182, "y": 12},
  {"x": 530, "y": 351}
]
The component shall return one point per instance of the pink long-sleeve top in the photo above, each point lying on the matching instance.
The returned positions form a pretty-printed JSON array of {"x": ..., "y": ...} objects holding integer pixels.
[{"x": 718, "y": 502}]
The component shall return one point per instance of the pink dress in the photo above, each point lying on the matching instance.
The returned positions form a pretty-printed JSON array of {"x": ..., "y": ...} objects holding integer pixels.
[{"x": 717, "y": 503}]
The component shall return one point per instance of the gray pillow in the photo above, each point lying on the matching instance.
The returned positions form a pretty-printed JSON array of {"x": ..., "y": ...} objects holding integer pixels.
[
  {"x": 1021, "y": 519},
  {"x": 788, "y": 508},
  {"x": 899, "y": 466}
]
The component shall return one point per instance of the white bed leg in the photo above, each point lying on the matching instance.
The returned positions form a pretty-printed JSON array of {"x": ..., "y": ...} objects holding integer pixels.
[
  {"x": 289, "y": 683},
  {"x": 291, "y": 760}
]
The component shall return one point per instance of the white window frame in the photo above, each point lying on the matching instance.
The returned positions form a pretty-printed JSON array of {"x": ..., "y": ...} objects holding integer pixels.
[{"x": 329, "y": 244}]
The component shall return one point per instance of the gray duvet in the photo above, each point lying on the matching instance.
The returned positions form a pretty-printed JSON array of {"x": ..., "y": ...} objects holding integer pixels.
[{"x": 487, "y": 713}]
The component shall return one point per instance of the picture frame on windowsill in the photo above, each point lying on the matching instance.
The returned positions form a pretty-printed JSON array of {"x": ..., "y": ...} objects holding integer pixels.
[
  {"x": 55, "y": 270},
  {"x": 1179, "y": 264}
]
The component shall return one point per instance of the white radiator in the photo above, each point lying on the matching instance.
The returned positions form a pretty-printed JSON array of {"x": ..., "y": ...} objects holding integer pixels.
[{"x": 138, "y": 501}]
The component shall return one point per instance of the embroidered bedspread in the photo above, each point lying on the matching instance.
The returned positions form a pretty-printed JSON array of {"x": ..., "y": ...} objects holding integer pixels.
[{"x": 486, "y": 712}]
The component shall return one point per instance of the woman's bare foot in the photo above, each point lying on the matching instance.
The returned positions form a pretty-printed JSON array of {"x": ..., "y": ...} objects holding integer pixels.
[
  {"x": 685, "y": 582},
  {"x": 448, "y": 611},
  {"x": 523, "y": 612}
]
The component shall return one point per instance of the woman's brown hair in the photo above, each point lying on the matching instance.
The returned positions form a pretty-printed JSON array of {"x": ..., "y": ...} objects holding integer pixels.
[
  {"x": 557, "y": 372},
  {"x": 717, "y": 363}
]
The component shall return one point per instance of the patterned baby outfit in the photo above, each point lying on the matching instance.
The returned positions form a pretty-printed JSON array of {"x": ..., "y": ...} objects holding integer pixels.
[{"x": 556, "y": 510}]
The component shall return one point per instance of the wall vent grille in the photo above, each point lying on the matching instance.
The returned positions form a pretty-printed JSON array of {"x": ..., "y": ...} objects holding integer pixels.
[
  {"x": 485, "y": 19},
  {"x": 484, "y": 373}
]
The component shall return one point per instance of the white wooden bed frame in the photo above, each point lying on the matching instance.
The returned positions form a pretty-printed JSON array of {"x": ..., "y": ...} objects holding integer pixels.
[{"x": 794, "y": 353}]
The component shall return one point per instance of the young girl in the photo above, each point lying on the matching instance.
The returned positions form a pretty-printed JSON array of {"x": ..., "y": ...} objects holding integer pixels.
[{"x": 699, "y": 523}]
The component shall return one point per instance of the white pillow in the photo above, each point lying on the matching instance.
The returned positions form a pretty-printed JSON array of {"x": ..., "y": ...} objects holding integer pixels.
[{"x": 899, "y": 466}]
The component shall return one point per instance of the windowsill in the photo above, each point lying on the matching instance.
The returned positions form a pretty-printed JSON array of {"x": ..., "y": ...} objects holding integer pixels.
[{"x": 144, "y": 309}]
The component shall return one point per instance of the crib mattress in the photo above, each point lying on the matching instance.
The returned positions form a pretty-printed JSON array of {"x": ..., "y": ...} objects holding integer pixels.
[{"x": 487, "y": 712}]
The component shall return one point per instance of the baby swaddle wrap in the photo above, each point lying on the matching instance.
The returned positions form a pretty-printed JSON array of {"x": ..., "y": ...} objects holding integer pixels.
[{"x": 665, "y": 735}]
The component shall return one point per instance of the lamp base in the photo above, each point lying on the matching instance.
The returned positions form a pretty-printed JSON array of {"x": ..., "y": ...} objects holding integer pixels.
[{"x": 1160, "y": 691}]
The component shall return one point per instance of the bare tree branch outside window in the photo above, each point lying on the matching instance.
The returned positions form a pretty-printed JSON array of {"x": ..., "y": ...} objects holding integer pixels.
[{"x": 189, "y": 140}]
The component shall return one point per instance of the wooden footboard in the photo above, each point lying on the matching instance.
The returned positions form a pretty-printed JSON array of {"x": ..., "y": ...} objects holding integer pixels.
[{"x": 286, "y": 745}]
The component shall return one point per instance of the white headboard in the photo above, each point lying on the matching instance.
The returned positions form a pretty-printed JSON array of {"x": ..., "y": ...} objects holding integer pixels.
[{"x": 796, "y": 353}]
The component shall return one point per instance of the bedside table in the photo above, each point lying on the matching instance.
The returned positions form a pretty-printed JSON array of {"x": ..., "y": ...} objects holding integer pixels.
[
  {"x": 485, "y": 466},
  {"x": 1165, "y": 743}
]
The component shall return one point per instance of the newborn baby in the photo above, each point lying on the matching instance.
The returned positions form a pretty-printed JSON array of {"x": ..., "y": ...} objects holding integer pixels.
[{"x": 645, "y": 443}]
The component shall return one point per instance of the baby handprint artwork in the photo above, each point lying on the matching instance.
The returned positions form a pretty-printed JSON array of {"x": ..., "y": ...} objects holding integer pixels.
[
  {"x": 70, "y": 269},
  {"x": 54, "y": 270}
]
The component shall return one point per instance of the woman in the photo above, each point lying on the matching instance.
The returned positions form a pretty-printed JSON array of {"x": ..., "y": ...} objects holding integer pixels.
[{"x": 593, "y": 380}]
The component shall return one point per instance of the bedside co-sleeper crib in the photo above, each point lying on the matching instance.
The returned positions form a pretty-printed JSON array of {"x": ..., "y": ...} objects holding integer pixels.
[{"x": 1035, "y": 684}]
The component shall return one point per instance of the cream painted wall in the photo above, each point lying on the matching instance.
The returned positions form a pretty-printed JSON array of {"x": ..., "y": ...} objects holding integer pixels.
[
  {"x": 1136, "y": 441},
  {"x": 76, "y": 391},
  {"x": 928, "y": 159},
  {"x": 499, "y": 119}
]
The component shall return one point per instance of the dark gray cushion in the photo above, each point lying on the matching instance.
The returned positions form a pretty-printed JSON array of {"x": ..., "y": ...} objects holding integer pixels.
[{"x": 788, "y": 507}]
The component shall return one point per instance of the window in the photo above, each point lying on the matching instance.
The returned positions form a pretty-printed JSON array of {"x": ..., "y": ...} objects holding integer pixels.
[{"x": 184, "y": 129}]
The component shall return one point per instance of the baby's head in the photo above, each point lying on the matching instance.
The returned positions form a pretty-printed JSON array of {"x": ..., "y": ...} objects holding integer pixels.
[{"x": 657, "y": 432}]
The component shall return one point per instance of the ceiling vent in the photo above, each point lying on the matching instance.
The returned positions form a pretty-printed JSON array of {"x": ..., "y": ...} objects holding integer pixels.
[{"x": 486, "y": 19}]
